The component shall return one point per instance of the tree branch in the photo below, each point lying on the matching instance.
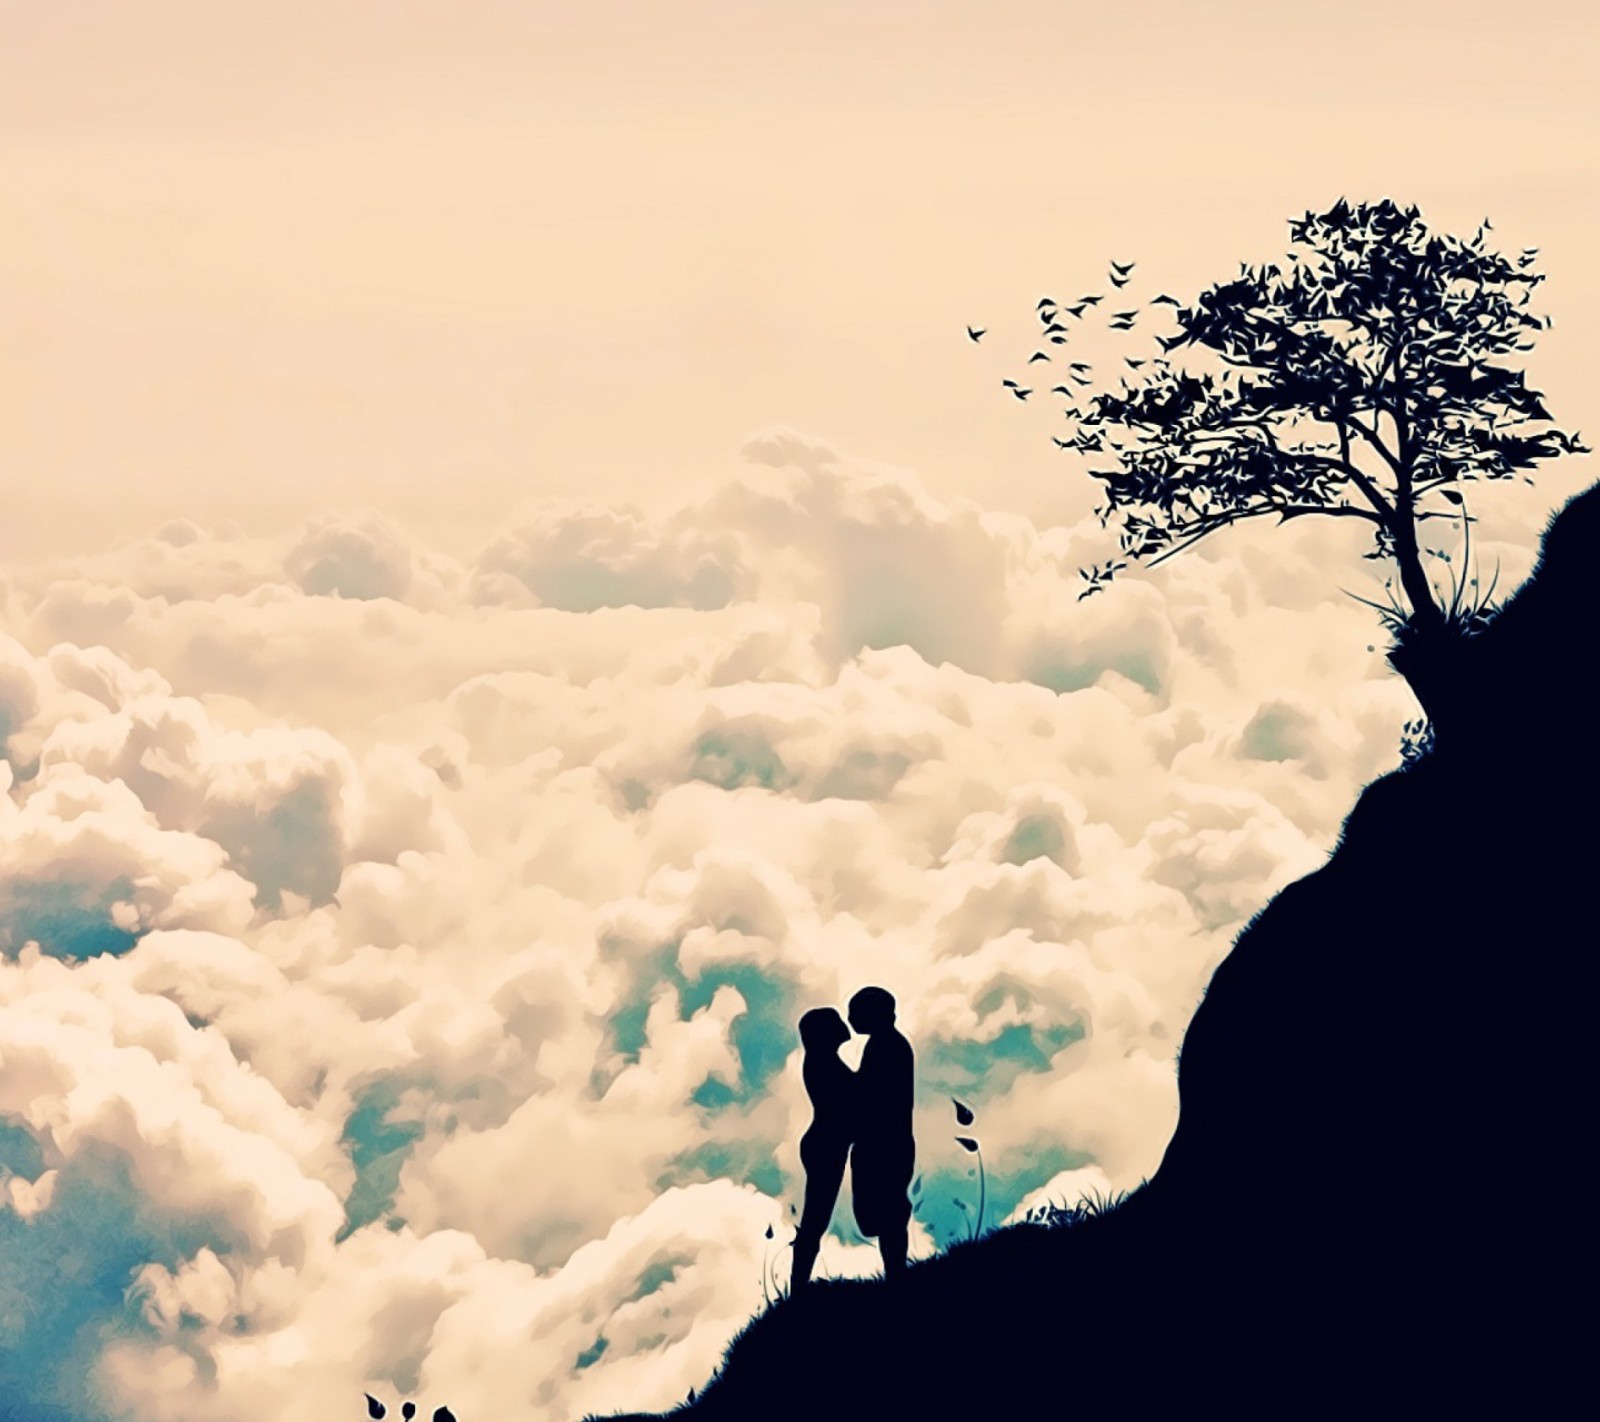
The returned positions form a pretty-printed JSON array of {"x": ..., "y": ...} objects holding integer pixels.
[
  {"x": 1285, "y": 510},
  {"x": 1371, "y": 437}
]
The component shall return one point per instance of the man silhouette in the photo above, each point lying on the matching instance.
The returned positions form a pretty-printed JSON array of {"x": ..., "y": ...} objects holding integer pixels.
[{"x": 884, "y": 1154}]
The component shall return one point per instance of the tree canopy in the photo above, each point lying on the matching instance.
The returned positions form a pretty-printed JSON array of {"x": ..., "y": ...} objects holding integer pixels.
[{"x": 1369, "y": 375}]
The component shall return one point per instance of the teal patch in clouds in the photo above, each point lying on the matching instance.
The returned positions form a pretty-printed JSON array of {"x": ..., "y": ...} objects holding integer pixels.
[
  {"x": 657, "y": 1275},
  {"x": 989, "y": 1068},
  {"x": 378, "y": 1149},
  {"x": 732, "y": 756},
  {"x": 68, "y": 918},
  {"x": 19, "y": 1151},
  {"x": 627, "y": 1028},
  {"x": 1036, "y": 837},
  {"x": 763, "y": 1035},
  {"x": 65, "y": 1283},
  {"x": 744, "y": 1162}
]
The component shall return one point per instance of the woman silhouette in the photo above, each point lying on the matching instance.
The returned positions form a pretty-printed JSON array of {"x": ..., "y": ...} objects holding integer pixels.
[{"x": 826, "y": 1144}]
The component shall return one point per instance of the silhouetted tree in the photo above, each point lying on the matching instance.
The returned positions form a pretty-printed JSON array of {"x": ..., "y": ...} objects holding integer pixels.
[{"x": 1368, "y": 376}]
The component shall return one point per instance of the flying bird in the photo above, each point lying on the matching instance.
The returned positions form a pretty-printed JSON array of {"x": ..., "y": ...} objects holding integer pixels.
[
  {"x": 1009, "y": 383},
  {"x": 1124, "y": 315},
  {"x": 1058, "y": 340},
  {"x": 1122, "y": 268},
  {"x": 1077, "y": 310},
  {"x": 1081, "y": 365},
  {"x": 1132, "y": 363},
  {"x": 1083, "y": 380},
  {"x": 1061, "y": 443},
  {"x": 1168, "y": 343},
  {"x": 1094, "y": 300},
  {"x": 1060, "y": 390},
  {"x": 1020, "y": 393},
  {"x": 1046, "y": 301},
  {"x": 975, "y": 334},
  {"x": 1170, "y": 300},
  {"x": 1037, "y": 355},
  {"x": 1054, "y": 326}
]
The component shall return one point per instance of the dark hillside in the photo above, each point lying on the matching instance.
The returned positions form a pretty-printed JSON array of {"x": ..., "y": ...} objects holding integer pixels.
[{"x": 1374, "y": 1197}]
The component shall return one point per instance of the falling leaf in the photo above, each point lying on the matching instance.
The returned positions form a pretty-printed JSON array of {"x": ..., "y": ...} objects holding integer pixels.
[
  {"x": 916, "y": 1186},
  {"x": 374, "y": 1407},
  {"x": 966, "y": 1143},
  {"x": 408, "y": 1410},
  {"x": 769, "y": 1231},
  {"x": 963, "y": 1112},
  {"x": 443, "y": 1414}
]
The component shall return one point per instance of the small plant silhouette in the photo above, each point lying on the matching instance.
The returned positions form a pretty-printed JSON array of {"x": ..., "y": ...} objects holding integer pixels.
[
  {"x": 965, "y": 1117},
  {"x": 1055, "y": 1215},
  {"x": 1416, "y": 740},
  {"x": 772, "y": 1289},
  {"x": 408, "y": 1410}
]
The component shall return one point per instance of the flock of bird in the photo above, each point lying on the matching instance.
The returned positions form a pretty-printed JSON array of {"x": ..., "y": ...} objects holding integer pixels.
[{"x": 1053, "y": 317}]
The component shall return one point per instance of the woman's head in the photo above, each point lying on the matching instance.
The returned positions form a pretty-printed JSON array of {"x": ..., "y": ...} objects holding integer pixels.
[{"x": 822, "y": 1028}]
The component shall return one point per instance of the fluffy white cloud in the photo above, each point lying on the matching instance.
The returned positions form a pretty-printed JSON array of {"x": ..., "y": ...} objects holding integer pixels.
[{"x": 401, "y": 957}]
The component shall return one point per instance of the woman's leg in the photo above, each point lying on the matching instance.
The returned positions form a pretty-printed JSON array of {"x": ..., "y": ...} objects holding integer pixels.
[{"x": 824, "y": 1175}]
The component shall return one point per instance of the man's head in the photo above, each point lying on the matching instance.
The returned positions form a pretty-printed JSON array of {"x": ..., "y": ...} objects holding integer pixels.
[{"x": 871, "y": 1009}]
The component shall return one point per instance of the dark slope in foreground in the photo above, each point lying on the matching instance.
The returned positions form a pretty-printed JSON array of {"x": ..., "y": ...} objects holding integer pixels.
[{"x": 1374, "y": 1198}]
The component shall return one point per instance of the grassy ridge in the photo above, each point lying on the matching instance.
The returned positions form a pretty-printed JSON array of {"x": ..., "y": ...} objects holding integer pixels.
[{"x": 1375, "y": 1198}]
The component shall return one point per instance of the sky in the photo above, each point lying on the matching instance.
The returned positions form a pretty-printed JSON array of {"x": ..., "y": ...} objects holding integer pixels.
[{"x": 517, "y": 584}]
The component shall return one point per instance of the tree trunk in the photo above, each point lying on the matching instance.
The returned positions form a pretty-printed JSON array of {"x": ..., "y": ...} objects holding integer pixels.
[
  {"x": 1426, "y": 615},
  {"x": 1424, "y": 648}
]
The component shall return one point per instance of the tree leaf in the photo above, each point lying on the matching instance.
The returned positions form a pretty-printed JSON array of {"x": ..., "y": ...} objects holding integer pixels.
[
  {"x": 963, "y": 1112},
  {"x": 966, "y": 1143},
  {"x": 374, "y": 1407}
]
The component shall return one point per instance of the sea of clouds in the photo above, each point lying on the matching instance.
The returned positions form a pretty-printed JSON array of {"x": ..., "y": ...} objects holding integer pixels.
[{"x": 399, "y": 957}]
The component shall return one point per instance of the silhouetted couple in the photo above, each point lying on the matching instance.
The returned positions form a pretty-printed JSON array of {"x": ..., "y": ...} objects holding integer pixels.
[{"x": 864, "y": 1115}]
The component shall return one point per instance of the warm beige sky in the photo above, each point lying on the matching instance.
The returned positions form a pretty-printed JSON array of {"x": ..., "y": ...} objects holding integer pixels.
[
  {"x": 260, "y": 260},
  {"x": 471, "y": 843}
]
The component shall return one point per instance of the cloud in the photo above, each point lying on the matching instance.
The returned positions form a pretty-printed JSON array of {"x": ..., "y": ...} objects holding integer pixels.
[
  {"x": 401, "y": 956},
  {"x": 580, "y": 560},
  {"x": 362, "y": 558}
]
